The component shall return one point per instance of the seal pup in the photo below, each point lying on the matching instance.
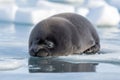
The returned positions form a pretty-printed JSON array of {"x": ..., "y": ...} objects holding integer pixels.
[{"x": 63, "y": 34}]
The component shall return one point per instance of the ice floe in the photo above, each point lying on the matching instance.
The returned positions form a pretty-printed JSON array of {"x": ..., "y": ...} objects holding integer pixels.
[
  {"x": 115, "y": 3},
  {"x": 105, "y": 15},
  {"x": 105, "y": 58},
  {"x": 30, "y": 16},
  {"x": 10, "y": 64},
  {"x": 102, "y": 13}
]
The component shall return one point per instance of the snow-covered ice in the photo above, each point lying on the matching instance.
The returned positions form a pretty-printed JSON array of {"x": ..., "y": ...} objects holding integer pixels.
[
  {"x": 102, "y": 14},
  {"x": 10, "y": 64},
  {"x": 102, "y": 58},
  {"x": 115, "y": 3},
  {"x": 31, "y": 16}
]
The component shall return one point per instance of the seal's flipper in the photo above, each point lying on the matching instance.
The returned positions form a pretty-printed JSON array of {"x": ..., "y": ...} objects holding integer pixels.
[{"x": 93, "y": 49}]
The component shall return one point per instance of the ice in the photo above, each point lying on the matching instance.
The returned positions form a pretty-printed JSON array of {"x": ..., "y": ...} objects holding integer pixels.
[
  {"x": 20, "y": 11},
  {"x": 101, "y": 58},
  {"x": 26, "y": 3},
  {"x": 30, "y": 16},
  {"x": 10, "y": 64},
  {"x": 7, "y": 12},
  {"x": 115, "y": 3},
  {"x": 83, "y": 11},
  {"x": 104, "y": 15},
  {"x": 10, "y": 28},
  {"x": 93, "y": 3},
  {"x": 101, "y": 13},
  {"x": 43, "y": 10},
  {"x": 61, "y": 76},
  {"x": 55, "y": 6}
]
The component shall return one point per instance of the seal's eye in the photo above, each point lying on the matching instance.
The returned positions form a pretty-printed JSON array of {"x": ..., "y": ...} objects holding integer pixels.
[
  {"x": 40, "y": 41},
  {"x": 49, "y": 44}
]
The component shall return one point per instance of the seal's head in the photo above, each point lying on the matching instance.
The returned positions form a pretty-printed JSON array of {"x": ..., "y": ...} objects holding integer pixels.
[{"x": 51, "y": 37}]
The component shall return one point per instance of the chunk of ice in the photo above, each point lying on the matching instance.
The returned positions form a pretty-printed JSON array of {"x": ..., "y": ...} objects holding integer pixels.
[
  {"x": 7, "y": 12},
  {"x": 10, "y": 64},
  {"x": 104, "y": 15}
]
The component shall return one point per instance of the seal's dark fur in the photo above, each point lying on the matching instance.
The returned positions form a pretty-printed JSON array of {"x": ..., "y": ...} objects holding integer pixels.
[{"x": 66, "y": 33}]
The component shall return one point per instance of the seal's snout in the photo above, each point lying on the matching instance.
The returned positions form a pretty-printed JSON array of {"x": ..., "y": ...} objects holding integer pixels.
[
  {"x": 39, "y": 50},
  {"x": 40, "y": 53}
]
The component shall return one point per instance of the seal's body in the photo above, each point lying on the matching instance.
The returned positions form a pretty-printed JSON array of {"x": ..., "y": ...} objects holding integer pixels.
[{"x": 63, "y": 34}]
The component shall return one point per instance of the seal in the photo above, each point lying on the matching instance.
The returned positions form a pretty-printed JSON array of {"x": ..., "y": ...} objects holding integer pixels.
[{"x": 63, "y": 34}]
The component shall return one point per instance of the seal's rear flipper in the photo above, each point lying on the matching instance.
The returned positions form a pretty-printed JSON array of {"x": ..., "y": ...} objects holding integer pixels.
[{"x": 94, "y": 49}]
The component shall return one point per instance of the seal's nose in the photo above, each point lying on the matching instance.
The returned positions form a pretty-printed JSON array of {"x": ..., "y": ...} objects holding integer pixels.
[
  {"x": 40, "y": 53},
  {"x": 33, "y": 50},
  {"x": 36, "y": 47}
]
